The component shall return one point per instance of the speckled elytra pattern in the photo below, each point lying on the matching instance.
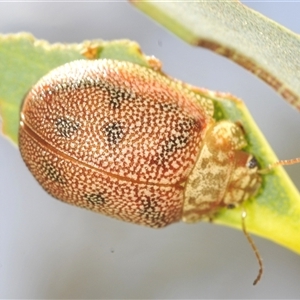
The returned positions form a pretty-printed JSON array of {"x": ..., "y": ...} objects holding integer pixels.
[
  {"x": 129, "y": 142},
  {"x": 114, "y": 137}
]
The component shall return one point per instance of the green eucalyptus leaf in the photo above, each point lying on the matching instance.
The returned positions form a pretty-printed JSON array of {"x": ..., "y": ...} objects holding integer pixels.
[
  {"x": 229, "y": 28},
  {"x": 274, "y": 213}
]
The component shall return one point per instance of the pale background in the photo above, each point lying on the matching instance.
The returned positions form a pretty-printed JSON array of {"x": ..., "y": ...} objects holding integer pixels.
[{"x": 52, "y": 250}]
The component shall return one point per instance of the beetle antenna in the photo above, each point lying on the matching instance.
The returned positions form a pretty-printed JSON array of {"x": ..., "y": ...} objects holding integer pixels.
[
  {"x": 284, "y": 162},
  {"x": 251, "y": 242}
]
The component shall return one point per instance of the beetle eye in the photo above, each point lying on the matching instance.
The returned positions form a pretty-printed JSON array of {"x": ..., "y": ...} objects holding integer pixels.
[
  {"x": 252, "y": 163},
  {"x": 231, "y": 206}
]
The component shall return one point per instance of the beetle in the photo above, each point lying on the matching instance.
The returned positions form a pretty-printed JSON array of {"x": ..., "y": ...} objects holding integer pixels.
[{"x": 129, "y": 142}]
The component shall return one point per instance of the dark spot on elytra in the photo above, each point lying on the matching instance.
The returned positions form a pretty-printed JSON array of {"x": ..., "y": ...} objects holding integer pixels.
[
  {"x": 66, "y": 127},
  {"x": 168, "y": 107},
  {"x": 170, "y": 146},
  {"x": 52, "y": 173},
  {"x": 148, "y": 205},
  {"x": 177, "y": 141},
  {"x": 151, "y": 211},
  {"x": 187, "y": 124},
  {"x": 95, "y": 198},
  {"x": 114, "y": 132},
  {"x": 117, "y": 97}
]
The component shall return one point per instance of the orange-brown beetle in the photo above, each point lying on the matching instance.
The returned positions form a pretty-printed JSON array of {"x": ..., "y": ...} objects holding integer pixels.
[{"x": 131, "y": 143}]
